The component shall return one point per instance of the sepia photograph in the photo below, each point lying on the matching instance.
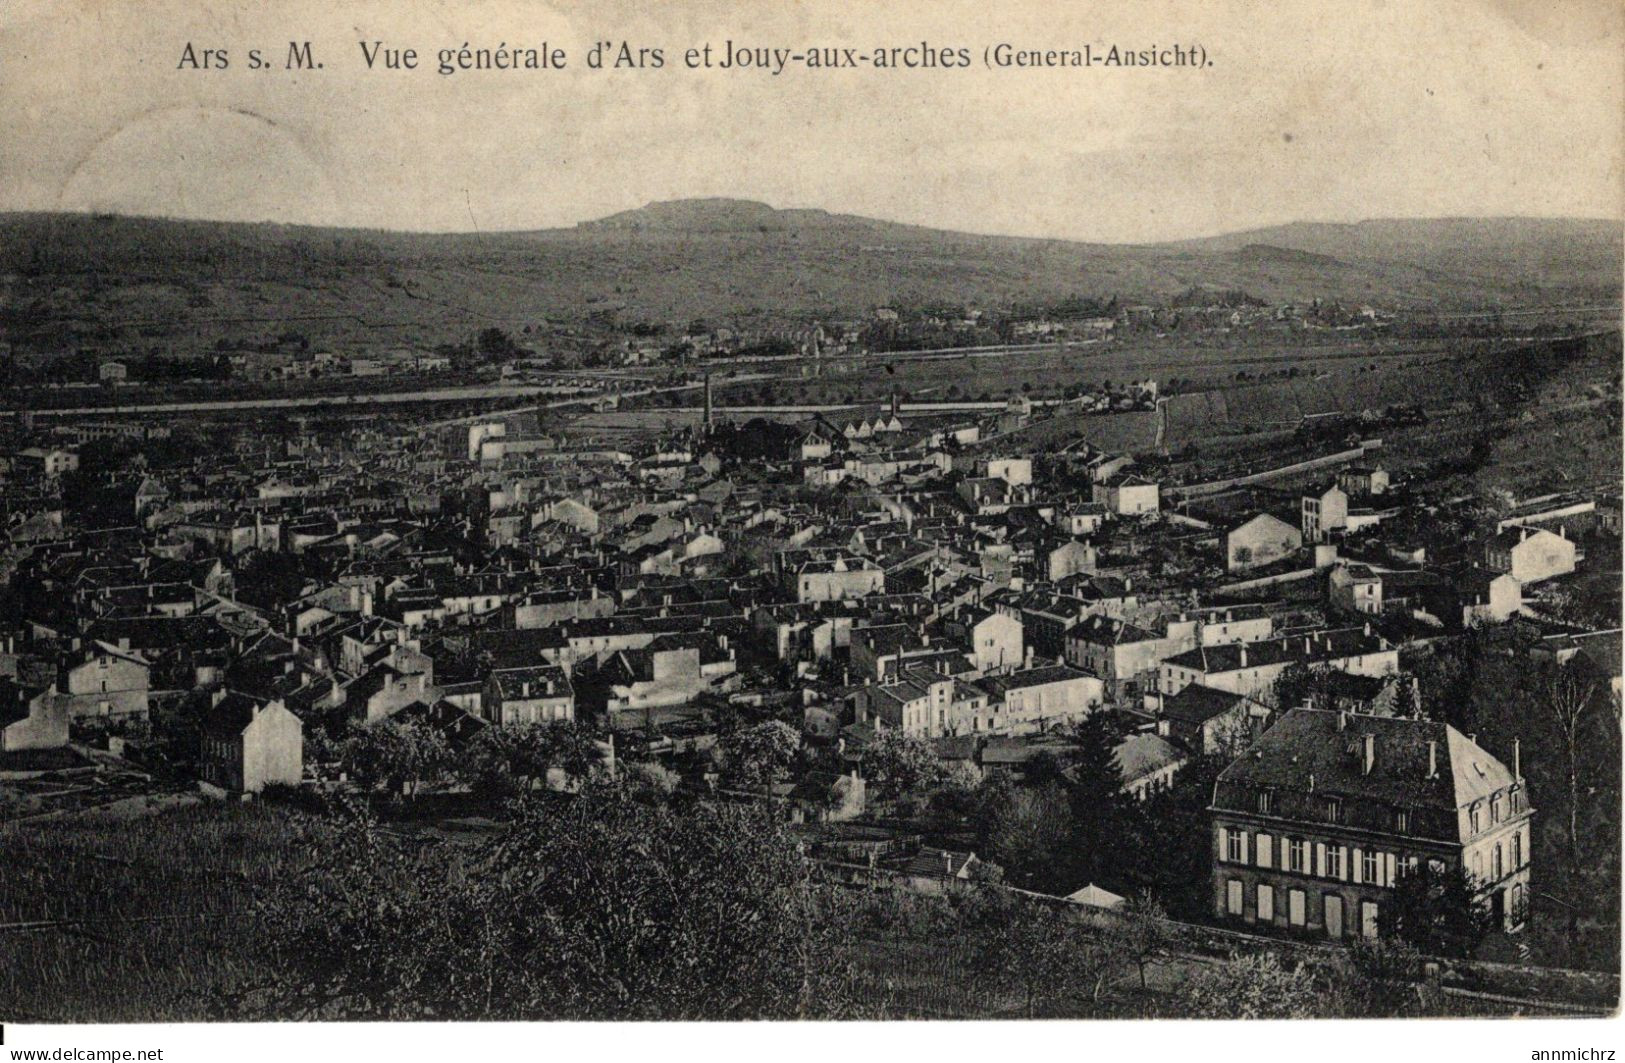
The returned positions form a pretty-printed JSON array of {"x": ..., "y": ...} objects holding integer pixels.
[{"x": 1040, "y": 516}]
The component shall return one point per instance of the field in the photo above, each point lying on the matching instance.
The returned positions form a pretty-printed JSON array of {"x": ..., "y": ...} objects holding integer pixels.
[
  {"x": 1051, "y": 372},
  {"x": 1241, "y": 408},
  {"x": 108, "y": 921}
]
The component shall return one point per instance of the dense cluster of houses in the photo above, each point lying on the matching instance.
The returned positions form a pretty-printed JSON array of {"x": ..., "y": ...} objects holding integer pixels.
[{"x": 876, "y": 577}]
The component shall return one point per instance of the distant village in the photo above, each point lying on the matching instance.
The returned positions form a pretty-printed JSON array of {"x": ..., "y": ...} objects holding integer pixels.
[{"x": 883, "y": 590}]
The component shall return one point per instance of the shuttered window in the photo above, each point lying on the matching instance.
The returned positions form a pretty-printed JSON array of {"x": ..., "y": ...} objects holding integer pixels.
[{"x": 1235, "y": 845}]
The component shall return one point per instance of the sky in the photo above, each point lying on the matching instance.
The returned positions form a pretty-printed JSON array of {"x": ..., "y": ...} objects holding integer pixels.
[{"x": 1309, "y": 111}]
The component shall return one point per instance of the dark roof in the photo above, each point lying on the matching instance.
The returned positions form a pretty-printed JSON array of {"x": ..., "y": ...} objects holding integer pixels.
[
  {"x": 1106, "y": 631},
  {"x": 230, "y": 716},
  {"x": 1317, "y": 754},
  {"x": 1304, "y": 648},
  {"x": 1197, "y": 704},
  {"x": 998, "y": 685},
  {"x": 458, "y": 725},
  {"x": 510, "y": 682}
]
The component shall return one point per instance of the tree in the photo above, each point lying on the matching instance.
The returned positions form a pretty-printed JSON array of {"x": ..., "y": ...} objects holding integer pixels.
[
  {"x": 1047, "y": 958},
  {"x": 495, "y": 343},
  {"x": 502, "y": 761},
  {"x": 1143, "y": 933},
  {"x": 1164, "y": 841},
  {"x": 595, "y": 907},
  {"x": 399, "y": 757},
  {"x": 955, "y": 794},
  {"x": 898, "y": 764},
  {"x": 1298, "y": 685},
  {"x": 1389, "y": 980},
  {"x": 1568, "y": 698},
  {"x": 1100, "y": 811},
  {"x": 650, "y": 783},
  {"x": 1436, "y": 911},
  {"x": 1029, "y": 833},
  {"x": 1407, "y": 698},
  {"x": 1256, "y": 986},
  {"x": 755, "y": 756}
]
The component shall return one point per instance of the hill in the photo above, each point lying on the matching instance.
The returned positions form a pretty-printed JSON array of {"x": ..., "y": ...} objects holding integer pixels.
[
  {"x": 1542, "y": 252},
  {"x": 83, "y": 279}
]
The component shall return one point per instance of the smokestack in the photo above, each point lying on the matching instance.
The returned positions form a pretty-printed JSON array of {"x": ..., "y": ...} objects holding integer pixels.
[
  {"x": 1342, "y": 720},
  {"x": 1517, "y": 760},
  {"x": 1368, "y": 753},
  {"x": 1433, "y": 760},
  {"x": 708, "y": 400}
]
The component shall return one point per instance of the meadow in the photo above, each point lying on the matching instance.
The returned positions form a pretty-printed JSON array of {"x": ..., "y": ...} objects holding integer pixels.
[{"x": 137, "y": 920}]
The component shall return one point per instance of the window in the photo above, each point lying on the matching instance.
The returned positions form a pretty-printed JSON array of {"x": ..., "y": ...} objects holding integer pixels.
[
  {"x": 1334, "y": 810},
  {"x": 1334, "y": 861},
  {"x": 1474, "y": 819},
  {"x": 1332, "y": 918},
  {"x": 1478, "y": 865},
  {"x": 1517, "y": 850},
  {"x": 1264, "y": 800},
  {"x": 1497, "y": 871},
  {"x": 1402, "y": 820},
  {"x": 1235, "y": 845},
  {"x": 1296, "y": 858},
  {"x": 1368, "y": 869},
  {"x": 1295, "y": 907},
  {"x": 1264, "y": 848},
  {"x": 1495, "y": 808},
  {"x": 1266, "y": 903},
  {"x": 1368, "y": 919},
  {"x": 1233, "y": 896}
]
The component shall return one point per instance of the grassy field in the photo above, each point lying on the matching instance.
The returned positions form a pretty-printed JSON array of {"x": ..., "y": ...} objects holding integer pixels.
[
  {"x": 138, "y": 921},
  {"x": 1050, "y": 372}
]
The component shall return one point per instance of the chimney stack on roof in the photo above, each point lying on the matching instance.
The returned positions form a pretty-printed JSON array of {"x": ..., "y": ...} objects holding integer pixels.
[
  {"x": 1517, "y": 760},
  {"x": 1368, "y": 753},
  {"x": 1433, "y": 760}
]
